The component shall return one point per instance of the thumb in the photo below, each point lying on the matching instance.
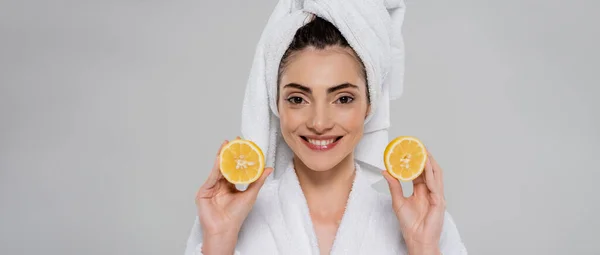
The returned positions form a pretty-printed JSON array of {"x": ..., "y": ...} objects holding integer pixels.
[
  {"x": 395, "y": 188},
  {"x": 255, "y": 186}
]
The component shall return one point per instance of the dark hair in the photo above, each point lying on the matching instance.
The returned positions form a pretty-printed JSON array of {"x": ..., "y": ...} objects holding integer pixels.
[{"x": 318, "y": 33}]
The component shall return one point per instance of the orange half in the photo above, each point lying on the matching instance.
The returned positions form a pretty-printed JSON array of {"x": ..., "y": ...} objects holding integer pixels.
[
  {"x": 241, "y": 161},
  {"x": 405, "y": 158}
]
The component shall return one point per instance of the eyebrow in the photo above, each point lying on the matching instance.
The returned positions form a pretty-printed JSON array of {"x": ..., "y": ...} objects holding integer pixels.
[{"x": 329, "y": 90}]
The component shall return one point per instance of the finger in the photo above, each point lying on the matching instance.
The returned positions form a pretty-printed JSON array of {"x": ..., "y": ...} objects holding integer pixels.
[
  {"x": 430, "y": 180},
  {"x": 420, "y": 179},
  {"x": 255, "y": 186},
  {"x": 419, "y": 187},
  {"x": 437, "y": 171},
  {"x": 395, "y": 188},
  {"x": 215, "y": 174},
  {"x": 437, "y": 210}
]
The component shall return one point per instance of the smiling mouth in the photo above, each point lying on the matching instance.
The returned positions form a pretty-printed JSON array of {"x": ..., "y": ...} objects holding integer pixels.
[{"x": 320, "y": 144}]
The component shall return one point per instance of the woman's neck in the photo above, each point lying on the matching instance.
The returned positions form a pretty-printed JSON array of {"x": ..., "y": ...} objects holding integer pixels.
[{"x": 326, "y": 192}]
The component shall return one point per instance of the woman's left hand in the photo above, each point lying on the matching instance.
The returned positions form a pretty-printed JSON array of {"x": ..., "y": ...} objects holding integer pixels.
[{"x": 421, "y": 216}]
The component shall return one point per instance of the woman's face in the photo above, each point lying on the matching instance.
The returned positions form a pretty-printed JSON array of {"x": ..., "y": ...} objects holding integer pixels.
[{"x": 322, "y": 105}]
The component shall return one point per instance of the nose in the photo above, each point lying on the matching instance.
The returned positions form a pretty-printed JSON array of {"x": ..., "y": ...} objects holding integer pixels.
[{"x": 320, "y": 122}]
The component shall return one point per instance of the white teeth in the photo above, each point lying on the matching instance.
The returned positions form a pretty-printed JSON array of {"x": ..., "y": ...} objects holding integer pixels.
[{"x": 320, "y": 142}]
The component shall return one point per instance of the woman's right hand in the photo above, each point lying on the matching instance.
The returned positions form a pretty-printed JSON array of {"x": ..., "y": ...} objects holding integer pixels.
[{"x": 222, "y": 209}]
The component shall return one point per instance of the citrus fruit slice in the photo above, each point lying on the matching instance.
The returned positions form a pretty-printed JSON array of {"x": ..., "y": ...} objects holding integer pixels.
[
  {"x": 241, "y": 161},
  {"x": 405, "y": 157}
]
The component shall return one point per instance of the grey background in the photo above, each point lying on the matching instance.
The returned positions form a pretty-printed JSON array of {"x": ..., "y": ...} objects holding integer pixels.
[{"x": 111, "y": 113}]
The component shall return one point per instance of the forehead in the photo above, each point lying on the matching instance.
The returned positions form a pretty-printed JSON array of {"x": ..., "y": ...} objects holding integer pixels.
[{"x": 324, "y": 68}]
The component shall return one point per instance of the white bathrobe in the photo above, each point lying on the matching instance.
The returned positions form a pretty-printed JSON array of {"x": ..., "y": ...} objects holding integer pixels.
[{"x": 280, "y": 223}]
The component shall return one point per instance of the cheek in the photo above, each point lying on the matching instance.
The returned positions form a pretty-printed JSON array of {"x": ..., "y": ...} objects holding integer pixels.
[
  {"x": 351, "y": 119},
  {"x": 289, "y": 119}
]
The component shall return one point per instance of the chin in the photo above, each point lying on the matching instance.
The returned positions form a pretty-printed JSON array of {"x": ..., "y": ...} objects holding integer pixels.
[
  {"x": 321, "y": 161},
  {"x": 319, "y": 164}
]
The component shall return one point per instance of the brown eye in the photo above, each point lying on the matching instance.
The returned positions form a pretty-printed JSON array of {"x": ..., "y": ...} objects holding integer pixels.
[
  {"x": 345, "y": 100},
  {"x": 295, "y": 100}
]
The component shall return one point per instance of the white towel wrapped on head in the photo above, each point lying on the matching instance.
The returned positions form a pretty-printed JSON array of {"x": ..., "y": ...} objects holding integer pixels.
[{"x": 373, "y": 28}]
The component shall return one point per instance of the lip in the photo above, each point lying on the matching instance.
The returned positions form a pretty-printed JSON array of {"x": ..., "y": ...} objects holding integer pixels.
[
  {"x": 321, "y": 137},
  {"x": 321, "y": 147}
]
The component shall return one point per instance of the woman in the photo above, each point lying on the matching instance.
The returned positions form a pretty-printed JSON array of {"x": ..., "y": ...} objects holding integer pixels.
[{"x": 322, "y": 203}]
